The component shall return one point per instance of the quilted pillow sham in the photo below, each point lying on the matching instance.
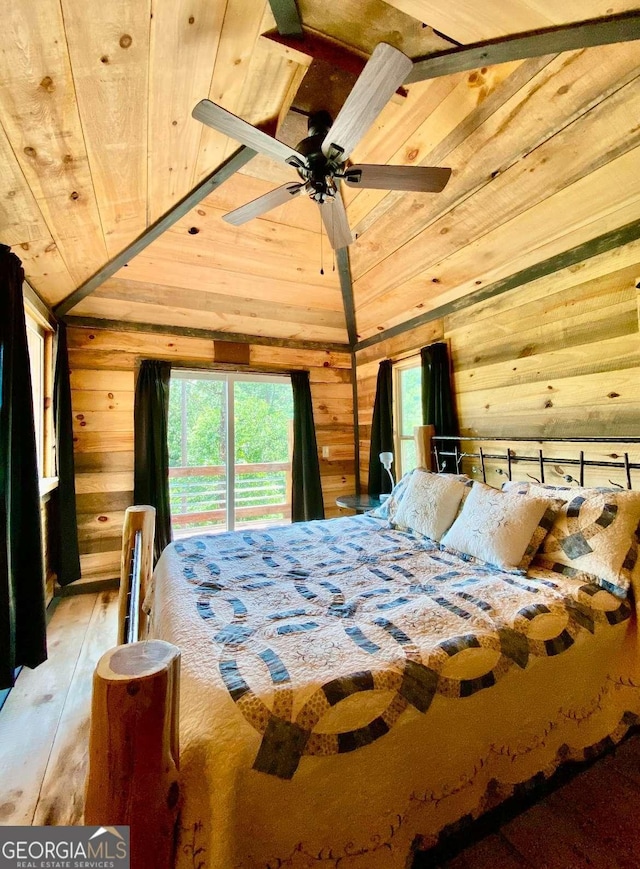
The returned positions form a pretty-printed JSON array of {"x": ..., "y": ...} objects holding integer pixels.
[
  {"x": 501, "y": 528},
  {"x": 595, "y": 533},
  {"x": 389, "y": 507},
  {"x": 430, "y": 503}
]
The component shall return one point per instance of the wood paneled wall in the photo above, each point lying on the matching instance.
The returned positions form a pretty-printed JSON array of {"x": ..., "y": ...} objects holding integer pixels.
[
  {"x": 46, "y": 519},
  {"x": 103, "y": 370},
  {"x": 559, "y": 356}
]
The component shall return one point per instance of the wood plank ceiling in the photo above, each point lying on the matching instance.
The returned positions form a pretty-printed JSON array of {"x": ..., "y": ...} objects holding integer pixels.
[{"x": 97, "y": 142}]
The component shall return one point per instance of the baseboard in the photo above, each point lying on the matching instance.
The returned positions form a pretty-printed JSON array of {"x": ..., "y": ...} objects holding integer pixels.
[{"x": 87, "y": 586}]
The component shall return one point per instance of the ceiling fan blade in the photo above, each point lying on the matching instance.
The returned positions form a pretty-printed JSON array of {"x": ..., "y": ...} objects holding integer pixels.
[
  {"x": 427, "y": 179},
  {"x": 225, "y": 122},
  {"x": 263, "y": 204},
  {"x": 385, "y": 71},
  {"x": 334, "y": 217}
]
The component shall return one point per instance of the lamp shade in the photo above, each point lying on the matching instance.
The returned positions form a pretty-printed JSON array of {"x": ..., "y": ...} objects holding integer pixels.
[{"x": 387, "y": 460}]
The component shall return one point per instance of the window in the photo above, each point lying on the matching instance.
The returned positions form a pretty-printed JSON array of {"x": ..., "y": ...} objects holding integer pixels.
[
  {"x": 229, "y": 450},
  {"x": 407, "y": 391}
]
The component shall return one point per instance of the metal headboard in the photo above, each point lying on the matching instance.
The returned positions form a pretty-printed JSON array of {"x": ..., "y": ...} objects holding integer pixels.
[{"x": 447, "y": 447}]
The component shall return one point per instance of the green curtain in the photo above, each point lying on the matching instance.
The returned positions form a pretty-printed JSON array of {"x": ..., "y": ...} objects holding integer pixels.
[
  {"x": 306, "y": 490},
  {"x": 438, "y": 404},
  {"x": 65, "y": 553},
  {"x": 22, "y": 605},
  {"x": 381, "y": 430},
  {"x": 151, "y": 451}
]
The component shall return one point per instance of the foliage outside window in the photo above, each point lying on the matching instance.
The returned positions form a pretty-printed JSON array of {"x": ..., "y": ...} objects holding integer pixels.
[
  {"x": 407, "y": 391},
  {"x": 229, "y": 443}
]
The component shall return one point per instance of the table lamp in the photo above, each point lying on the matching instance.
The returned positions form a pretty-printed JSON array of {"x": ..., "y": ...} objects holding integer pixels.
[{"x": 387, "y": 460}]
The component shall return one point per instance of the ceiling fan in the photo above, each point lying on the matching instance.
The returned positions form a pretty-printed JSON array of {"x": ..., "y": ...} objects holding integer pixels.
[{"x": 321, "y": 159}]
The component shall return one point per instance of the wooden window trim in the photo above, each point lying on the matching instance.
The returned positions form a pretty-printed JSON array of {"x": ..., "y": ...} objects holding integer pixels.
[
  {"x": 412, "y": 361},
  {"x": 48, "y": 477}
]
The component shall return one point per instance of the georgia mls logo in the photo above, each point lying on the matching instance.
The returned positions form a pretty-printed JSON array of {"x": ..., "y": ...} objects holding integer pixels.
[{"x": 64, "y": 848}]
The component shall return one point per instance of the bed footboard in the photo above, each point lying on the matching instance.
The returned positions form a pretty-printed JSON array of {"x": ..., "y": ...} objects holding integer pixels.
[{"x": 132, "y": 779}]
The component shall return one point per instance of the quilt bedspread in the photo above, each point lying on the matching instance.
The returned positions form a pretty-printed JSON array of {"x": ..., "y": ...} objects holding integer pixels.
[{"x": 349, "y": 690}]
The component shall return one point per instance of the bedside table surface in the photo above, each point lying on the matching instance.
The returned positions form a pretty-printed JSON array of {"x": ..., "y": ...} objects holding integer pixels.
[{"x": 359, "y": 503}]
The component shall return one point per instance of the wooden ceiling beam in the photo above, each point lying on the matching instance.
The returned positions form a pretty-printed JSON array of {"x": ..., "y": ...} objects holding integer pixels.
[
  {"x": 208, "y": 334},
  {"x": 346, "y": 285},
  {"x": 229, "y": 167},
  {"x": 624, "y": 27},
  {"x": 287, "y": 17},
  {"x": 594, "y": 247}
]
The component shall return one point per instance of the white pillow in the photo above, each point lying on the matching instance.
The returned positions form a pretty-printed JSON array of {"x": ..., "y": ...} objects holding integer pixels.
[
  {"x": 497, "y": 527},
  {"x": 389, "y": 507},
  {"x": 430, "y": 503}
]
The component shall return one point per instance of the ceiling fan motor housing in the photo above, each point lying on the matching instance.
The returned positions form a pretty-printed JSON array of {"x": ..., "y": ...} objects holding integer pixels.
[
  {"x": 318, "y": 170},
  {"x": 319, "y": 123}
]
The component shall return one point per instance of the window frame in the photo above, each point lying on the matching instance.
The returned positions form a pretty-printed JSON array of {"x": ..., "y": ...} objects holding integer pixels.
[
  {"x": 229, "y": 379},
  {"x": 38, "y": 324},
  {"x": 408, "y": 362}
]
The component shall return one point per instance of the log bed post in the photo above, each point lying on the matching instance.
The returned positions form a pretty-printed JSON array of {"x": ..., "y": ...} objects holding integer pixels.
[
  {"x": 423, "y": 437},
  {"x": 132, "y": 779},
  {"x": 133, "y": 748}
]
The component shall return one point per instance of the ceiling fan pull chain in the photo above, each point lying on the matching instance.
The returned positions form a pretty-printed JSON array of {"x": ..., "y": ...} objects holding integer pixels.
[
  {"x": 333, "y": 235},
  {"x": 321, "y": 260}
]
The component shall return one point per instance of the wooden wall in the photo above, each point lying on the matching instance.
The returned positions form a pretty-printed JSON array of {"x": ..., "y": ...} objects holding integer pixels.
[
  {"x": 559, "y": 356},
  {"x": 103, "y": 370},
  {"x": 47, "y": 507}
]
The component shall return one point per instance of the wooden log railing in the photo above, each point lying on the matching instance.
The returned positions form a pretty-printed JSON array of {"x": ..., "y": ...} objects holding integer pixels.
[
  {"x": 220, "y": 470},
  {"x": 185, "y": 519},
  {"x": 199, "y": 502}
]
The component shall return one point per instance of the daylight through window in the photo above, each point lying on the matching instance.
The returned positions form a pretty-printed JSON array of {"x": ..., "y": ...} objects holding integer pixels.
[
  {"x": 229, "y": 450},
  {"x": 407, "y": 414}
]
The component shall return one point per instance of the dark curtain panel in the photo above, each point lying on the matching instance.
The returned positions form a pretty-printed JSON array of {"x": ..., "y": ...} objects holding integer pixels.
[
  {"x": 22, "y": 606},
  {"x": 438, "y": 405},
  {"x": 381, "y": 430},
  {"x": 306, "y": 491},
  {"x": 151, "y": 462},
  {"x": 65, "y": 553}
]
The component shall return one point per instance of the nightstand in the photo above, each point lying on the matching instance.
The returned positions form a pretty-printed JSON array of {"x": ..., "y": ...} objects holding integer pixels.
[{"x": 359, "y": 503}]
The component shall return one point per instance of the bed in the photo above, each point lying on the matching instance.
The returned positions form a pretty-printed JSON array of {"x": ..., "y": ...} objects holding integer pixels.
[{"x": 350, "y": 690}]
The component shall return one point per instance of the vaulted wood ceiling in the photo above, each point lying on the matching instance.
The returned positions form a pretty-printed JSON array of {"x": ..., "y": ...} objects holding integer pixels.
[{"x": 97, "y": 142}]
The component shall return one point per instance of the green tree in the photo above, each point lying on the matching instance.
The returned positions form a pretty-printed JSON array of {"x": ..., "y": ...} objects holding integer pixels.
[
  {"x": 263, "y": 412},
  {"x": 197, "y": 437}
]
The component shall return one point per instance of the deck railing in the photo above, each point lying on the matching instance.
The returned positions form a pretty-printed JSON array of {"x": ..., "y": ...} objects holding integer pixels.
[{"x": 199, "y": 494}]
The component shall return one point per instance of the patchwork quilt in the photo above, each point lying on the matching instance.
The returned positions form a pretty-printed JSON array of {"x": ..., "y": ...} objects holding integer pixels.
[{"x": 349, "y": 690}]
